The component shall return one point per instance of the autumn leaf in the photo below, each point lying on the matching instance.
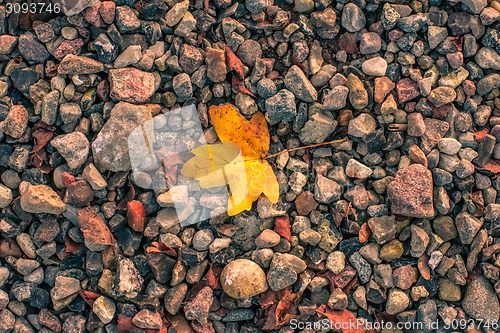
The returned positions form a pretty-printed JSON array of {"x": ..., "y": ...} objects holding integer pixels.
[
  {"x": 281, "y": 313},
  {"x": 479, "y": 135},
  {"x": 239, "y": 86},
  {"x": 364, "y": 233},
  {"x": 125, "y": 325},
  {"x": 158, "y": 247},
  {"x": 234, "y": 63},
  {"x": 88, "y": 296},
  {"x": 491, "y": 166},
  {"x": 343, "y": 319},
  {"x": 282, "y": 227},
  {"x": 41, "y": 134},
  {"x": 238, "y": 162}
]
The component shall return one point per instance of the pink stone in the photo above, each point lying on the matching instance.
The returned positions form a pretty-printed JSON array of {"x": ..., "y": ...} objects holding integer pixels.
[
  {"x": 410, "y": 193},
  {"x": 404, "y": 277},
  {"x": 68, "y": 47},
  {"x": 407, "y": 90},
  {"x": 92, "y": 15},
  {"x": 16, "y": 121},
  {"x": 107, "y": 11},
  {"x": 131, "y": 85}
]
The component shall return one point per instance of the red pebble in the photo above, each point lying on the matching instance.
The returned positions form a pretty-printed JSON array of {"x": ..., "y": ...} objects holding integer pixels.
[
  {"x": 67, "y": 178},
  {"x": 136, "y": 215}
]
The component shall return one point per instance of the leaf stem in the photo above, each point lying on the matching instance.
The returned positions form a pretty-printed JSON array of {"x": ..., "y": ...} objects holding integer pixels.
[{"x": 305, "y": 147}]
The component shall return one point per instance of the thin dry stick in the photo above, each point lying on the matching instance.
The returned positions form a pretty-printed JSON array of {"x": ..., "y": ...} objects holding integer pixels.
[{"x": 305, "y": 147}]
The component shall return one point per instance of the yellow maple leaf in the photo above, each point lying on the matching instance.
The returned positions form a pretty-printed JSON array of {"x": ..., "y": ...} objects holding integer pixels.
[{"x": 238, "y": 162}]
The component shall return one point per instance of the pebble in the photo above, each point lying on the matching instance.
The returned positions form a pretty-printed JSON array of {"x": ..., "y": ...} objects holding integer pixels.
[
  {"x": 361, "y": 266},
  {"x": 64, "y": 291},
  {"x": 353, "y": 18},
  {"x": 362, "y": 125},
  {"x": 317, "y": 129},
  {"x": 449, "y": 146},
  {"x": 41, "y": 199},
  {"x": 104, "y": 309},
  {"x": 407, "y": 90},
  {"x": 411, "y": 192},
  {"x": 131, "y": 55},
  {"x": 5, "y": 196},
  {"x": 281, "y": 274},
  {"x": 176, "y": 13},
  {"x": 419, "y": 241},
  {"x": 256, "y": 6},
  {"x": 404, "y": 277},
  {"x": 355, "y": 169},
  {"x": 442, "y": 96},
  {"x": 448, "y": 291},
  {"x": 198, "y": 308},
  {"x": 92, "y": 176},
  {"x": 183, "y": 87},
  {"x": 383, "y": 85},
  {"x": 16, "y": 121},
  {"x": 242, "y": 278},
  {"x": 376, "y": 66},
  {"x": 326, "y": 190},
  {"x": 268, "y": 238},
  {"x": 336, "y": 262},
  {"x": 480, "y": 301},
  {"x": 397, "y": 301},
  {"x": 358, "y": 96},
  {"x": 124, "y": 118},
  {"x": 297, "y": 82},
  {"x": 32, "y": 50},
  {"x": 131, "y": 85},
  {"x": 249, "y": 51},
  {"x": 174, "y": 298},
  {"x": 74, "y": 147},
  {"x": 281, "y": 107},
  {"x": 336, "y": 98},
  {"x": 202, "y": 239},
  {"x": 216, "y": 64},
  {"x": 370, "y": 42},
  {"x": 467, "y": 226},
  {"x": 148, "y": 319},
  {"x": 72, "y": 64},
  {"x": 383, "y": 228}
]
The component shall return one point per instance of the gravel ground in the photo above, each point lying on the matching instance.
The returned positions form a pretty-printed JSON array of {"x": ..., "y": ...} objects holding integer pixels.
[{"x": 399, "y": 222}]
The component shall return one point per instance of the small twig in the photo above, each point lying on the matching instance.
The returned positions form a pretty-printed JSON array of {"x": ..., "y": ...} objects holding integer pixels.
[{"x": 305, "y": 147}]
